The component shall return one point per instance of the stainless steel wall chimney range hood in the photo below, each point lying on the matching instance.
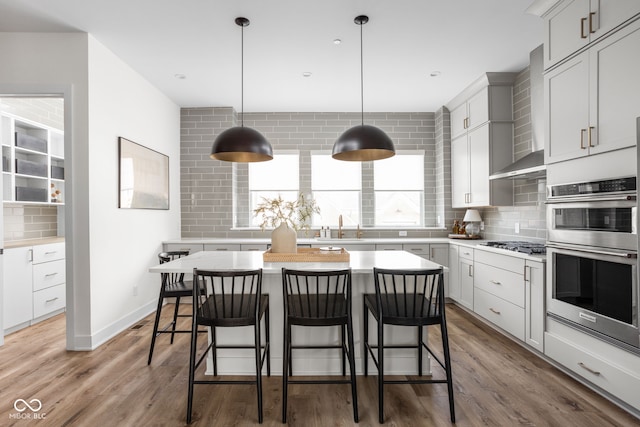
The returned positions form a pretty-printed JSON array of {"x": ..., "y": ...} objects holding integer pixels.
[{"x": 532, "y": 165}]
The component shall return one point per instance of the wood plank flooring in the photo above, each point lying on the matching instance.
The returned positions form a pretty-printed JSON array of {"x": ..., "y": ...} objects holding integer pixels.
[{"x": 497, "y": 383}]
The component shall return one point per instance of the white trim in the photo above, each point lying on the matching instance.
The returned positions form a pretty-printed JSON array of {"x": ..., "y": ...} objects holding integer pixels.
[{"x": 117, "y": 327}]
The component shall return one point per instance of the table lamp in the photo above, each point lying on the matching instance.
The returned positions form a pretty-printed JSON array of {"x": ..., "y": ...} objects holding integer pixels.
[{"x": 472, "y": 220}]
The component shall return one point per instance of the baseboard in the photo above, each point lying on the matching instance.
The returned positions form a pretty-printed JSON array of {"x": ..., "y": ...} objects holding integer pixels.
[{"x": 110, "y": 331}]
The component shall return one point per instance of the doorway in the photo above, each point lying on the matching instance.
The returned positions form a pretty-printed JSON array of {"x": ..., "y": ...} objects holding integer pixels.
[{"x": 32, "y": 222}]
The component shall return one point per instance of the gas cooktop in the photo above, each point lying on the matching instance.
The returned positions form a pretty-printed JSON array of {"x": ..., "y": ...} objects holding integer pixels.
[{"x": 518, "y": 246}]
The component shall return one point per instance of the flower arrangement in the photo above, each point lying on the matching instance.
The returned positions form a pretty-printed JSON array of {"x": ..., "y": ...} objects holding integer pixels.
[
  {"x": 296, "y": 214},
  {"x": 56, "y": 195}
]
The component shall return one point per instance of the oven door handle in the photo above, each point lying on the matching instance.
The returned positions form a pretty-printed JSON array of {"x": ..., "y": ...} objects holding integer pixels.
[
  {"x": 624, "y": 198},
  {"x": 627, "y": 255}
]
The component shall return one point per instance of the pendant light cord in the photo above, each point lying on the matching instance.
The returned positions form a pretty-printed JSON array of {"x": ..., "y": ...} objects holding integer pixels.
[
  {"x": 361, "y": 80},
  {"x": 242, "y": 77}
]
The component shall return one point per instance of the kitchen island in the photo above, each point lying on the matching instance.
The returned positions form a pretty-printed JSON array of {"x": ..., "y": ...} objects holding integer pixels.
[{"x": 307, "y": 362}]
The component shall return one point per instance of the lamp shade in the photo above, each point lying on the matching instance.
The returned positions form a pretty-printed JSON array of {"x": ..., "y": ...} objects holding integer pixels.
[
  {"x": 241, "y": 144},
  {"x": 472, "y": 215},
  {"x": 363, "y": 143}
]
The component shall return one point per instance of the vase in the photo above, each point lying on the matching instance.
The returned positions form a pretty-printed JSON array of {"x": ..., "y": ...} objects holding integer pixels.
[{"x": 284, "y": 239}]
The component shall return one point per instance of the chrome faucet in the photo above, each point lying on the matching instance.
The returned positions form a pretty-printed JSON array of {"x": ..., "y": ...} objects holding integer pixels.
[{"x": 340, "y": 232}]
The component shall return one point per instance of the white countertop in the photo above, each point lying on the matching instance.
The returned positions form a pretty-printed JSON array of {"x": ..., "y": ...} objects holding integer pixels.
[{"x": 360, "y": 262}]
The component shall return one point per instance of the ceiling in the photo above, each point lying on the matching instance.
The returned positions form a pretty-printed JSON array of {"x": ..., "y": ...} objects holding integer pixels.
[{"x": 404, "y": 42}]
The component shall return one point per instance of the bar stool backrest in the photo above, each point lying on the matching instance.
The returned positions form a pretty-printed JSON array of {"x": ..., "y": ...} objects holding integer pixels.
[
  {"x": 317, "y": 295},
  {"x": 227, "y": 295},
  {"x": 164, "y": 257},
  {"x": 411, "y": 294}
]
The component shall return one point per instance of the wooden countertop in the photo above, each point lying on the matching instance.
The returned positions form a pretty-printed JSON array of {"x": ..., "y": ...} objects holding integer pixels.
[{"x": 32, "y": 242}]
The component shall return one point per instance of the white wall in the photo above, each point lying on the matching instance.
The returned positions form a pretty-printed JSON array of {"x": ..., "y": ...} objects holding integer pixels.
[
  {"x": 125, "y": 242},
  {"x": 108, "y": 250}
]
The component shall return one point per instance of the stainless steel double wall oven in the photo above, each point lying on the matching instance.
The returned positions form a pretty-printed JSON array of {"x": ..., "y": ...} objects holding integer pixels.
[{"x": 592, "y": 252}]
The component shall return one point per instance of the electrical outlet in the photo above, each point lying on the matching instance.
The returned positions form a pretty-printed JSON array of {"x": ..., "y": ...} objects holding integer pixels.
[
  {"x": 517, "y": 228},
  {"x": 402, "y": 233}
]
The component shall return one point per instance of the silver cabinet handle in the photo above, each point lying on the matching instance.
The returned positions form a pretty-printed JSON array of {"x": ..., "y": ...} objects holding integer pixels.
[
  {"x": 221, "y": 249},
  {"x": 494, "y": 311},
  {"x": 470, "y": 270},
  {"x": 495, "y": 282},
  {"x": 525, "y": 274},
  {"x": 50, "y": 274},
  {"x": 588, "y": 369},
  {"x": 51, "y": 300},
  {"x": 51, "y": 252}
]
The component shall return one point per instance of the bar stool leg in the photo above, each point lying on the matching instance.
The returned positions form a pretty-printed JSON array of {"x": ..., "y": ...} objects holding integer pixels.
[
  {"x": 343, "y": 355},
  {"x": 352, "y": 369},
  {"x": 268, "y": 342},
  {"x": 175, "y": 319},
  {"x": 285, "y": 367},
  {"x": 192, "y": 369},
  {"x": 155, "y": 325},
  {"x": 420, "y": 342},
  {"x": 447, "y": 364},
  {"x": 214, "y": 351},
  {"x": 256, "y": 329},
  {"x": 380, "y": 371},
  {"x": 365, "y": 355}
]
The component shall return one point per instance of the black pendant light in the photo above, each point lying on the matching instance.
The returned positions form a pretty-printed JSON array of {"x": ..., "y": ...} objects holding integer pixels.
[
  {"x": 363, "y": 143},
  {"x": 241, "y": 144}
]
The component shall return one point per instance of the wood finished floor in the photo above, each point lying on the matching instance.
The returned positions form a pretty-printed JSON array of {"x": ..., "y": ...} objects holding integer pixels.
[{"x": 497, "y": 383}]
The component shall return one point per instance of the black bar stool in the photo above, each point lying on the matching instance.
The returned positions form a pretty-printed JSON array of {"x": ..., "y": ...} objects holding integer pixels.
[
  {"x": 172, "y": 285},
  {"x": 407, "y": 298},
  {"x": 318, "y": 298},
  {"x": 229, "y": 299}
]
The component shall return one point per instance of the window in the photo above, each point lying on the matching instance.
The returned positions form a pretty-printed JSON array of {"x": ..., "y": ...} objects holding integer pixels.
[
  {"x": 398, "y": 184},
  {"x": 268, "y": 179},
  {"x": 336, "y": 186}
]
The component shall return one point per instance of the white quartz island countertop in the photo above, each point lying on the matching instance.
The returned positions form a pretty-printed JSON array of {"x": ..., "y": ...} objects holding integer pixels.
[{"x": 360, "y": 262}]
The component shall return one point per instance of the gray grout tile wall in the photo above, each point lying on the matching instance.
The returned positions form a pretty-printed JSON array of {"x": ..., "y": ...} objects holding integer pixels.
[
  {"x": 207, "y": 186},
  {"x": 529, "y": 194}
]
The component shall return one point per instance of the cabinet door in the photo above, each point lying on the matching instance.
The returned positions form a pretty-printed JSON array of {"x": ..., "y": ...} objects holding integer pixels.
[
  {"x": 534, "y": 304},
  {"x": 479, "y": 166},
  {"x": 478, "y": 108},
  {"x": 567, "y": 110},
  {"x": 422, "y": 250},
  {"x": 18, "y": 290},
  {"x": 454, "y": 274},
  {"x": 566, "y": 30},
  {"x": 459, "y": 172},
  {"x": 221, "y": 247},
  {"x": 439, "y": 253},
  {"x": 458, "y": 119},
  {"x": 466, "y": 282},
  {"x": 609, "y": 14},
  {"x": 615, "y": 90}
]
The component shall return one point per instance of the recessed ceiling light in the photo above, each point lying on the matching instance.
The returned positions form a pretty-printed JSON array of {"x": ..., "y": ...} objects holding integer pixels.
[
  {"x": 337, "y": 41},
  {"x": 434, "y": 74},
  {"x": 180, "y": 76},
  {"x": 307, "y": 74}
]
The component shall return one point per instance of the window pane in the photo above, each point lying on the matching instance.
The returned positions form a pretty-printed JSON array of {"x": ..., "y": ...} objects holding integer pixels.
[
  {"x": 257, "y": 198},
  {"x": 335, "y": 203},
  {"x": 402, "y": 208},
  {"x": 281, "y": 173},
  {"x": 330, "y": 174},
  {"x": 400, "y": 172}
]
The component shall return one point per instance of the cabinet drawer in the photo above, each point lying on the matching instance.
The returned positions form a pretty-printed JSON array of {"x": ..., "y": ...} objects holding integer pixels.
[
  {"x": 45, "y": 253},
  {"x": 258, "y": 247},
  {"x": 503, "y": 314},
  {"x": 191, "y": 247},
  {"x": 465, "y": 252},
  {"x": 48, "y": 300},
  {"x": 502, "y": 283},
  {"x": 504, "y": 262},
  {"x": 388, "y": 247},
  {"x": 617, "y": 381},
  {"x": 49, "y": 274},
  {"x": 221, "y": 247},
  {"x": 420, "y": 250}
]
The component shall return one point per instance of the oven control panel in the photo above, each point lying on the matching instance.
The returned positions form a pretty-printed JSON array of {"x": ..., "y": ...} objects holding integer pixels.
[{"x": 618, "y": 185}]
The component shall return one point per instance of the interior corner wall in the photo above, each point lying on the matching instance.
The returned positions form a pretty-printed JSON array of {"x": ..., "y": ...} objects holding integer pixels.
[
  {"x": 125, "y": 242},
  {"x": 38, "y": 63}
]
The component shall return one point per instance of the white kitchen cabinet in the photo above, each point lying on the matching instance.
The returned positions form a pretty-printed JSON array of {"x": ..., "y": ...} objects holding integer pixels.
[
  {"x": 465, "y": 275},
  {"x": 191, "y": 247},
  {"x": 573, "y": 24},
  {"x": 221, "y": 247},
  {"x": 535, "y": 308},
  {"x": 610, "y": 368},
  {"x": 388, "y": 247},
  {"x": 32, "y": 161},
  {"x": 591, "y": 100},
  {"x": 17, "y": 285},
  {"x": 254, "y": 247},
  {"x": 436, "y": 252},
  {"x": 482, "y": 141},
  {"x": 34, "y": 284},
  {"x": 454, "y": 273}
]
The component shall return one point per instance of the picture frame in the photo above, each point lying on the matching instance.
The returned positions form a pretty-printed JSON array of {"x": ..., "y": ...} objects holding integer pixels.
[{"x": 143, "y": 177}]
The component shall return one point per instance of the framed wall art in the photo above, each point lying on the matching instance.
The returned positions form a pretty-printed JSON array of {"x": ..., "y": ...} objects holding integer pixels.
[{"x": 144, "y": 177}]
